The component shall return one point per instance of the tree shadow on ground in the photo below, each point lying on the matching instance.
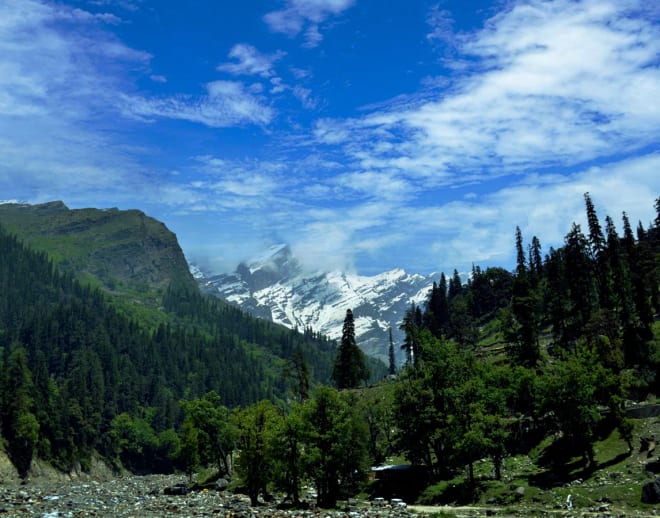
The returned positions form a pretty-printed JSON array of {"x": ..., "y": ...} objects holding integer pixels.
[{"x": 564, "y": 463}]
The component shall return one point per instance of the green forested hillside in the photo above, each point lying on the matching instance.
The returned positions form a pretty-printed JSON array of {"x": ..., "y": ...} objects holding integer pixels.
[
  {"x": 516, "y": 384},
  {"x": 527, "y": 368},
  {"x": 126, "y": 252},
  {"x": 72, "y": 363}
]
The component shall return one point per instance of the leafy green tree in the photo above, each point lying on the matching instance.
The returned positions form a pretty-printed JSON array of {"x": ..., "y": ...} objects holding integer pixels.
[
  {"x": 350, "y": 367},
  {"x": 335, "y": 446},
  {"x": 423, "y": 402},
  {"x": 255, "y": 427},
  {"x": 374, "y": 408},
  {"x": 188, "y": 453},
  {"x": 417, "y": 418},
  {"x": 449, "y": 410},
  {"x": 479, "y": 411},
  {"x": 289, "y": 453},
  {"x": 572, "y": 391},
  {"x": 215, "y": 433},
  {"x": 136, "y": 442}
]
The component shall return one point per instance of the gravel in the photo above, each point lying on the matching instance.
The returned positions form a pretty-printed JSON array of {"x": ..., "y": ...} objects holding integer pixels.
[{"x": 143, "y": 496}]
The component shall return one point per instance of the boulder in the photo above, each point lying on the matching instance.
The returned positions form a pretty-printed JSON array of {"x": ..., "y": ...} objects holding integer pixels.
[
  {"x": 177, "y": 489},
  {"x": 653, "y": 467},
  {"x": 221, "y": 484},
  {"x": 651, "y": 492}
]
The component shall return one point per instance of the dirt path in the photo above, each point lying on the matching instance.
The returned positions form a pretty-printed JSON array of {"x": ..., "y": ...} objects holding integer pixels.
[{"x": 479, "y": 511}]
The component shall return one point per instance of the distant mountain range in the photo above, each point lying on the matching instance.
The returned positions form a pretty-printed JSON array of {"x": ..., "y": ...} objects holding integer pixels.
[
  {"x": 138, "y": 265},
  {"x": 274, "y": 286},
  {"x": 136, "y": 257}
]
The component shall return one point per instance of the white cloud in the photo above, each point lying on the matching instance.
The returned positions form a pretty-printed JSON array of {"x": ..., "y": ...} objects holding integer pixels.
[
  {"x": 481, "y": 229},
  {"x": 442, "y": 26},
  {"x": 58, "y": 82},
  {"x": 377, "y": 214},
  {"x": 374, "y": 185},
  {"x": 313, "y": 36},
  {"x": 305, "y": 96},
  {"x": 241, "y": 184},
  {"x": 277, "y": 85},
  {"x": 551, "y": 83},
  {"x": 227, "y": 103},
  {"x": 43, "y": 71},
  {"x": 300, "y": 73},
  {"x": 249, "y": 61},
  {"x": 299, "y": 14},
  {"x": 332, "y": 131},
  {"x": 127, "y": 5}
]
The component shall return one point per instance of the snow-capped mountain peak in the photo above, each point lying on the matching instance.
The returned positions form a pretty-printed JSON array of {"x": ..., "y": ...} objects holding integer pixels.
[{"x": 273, "y": 285}]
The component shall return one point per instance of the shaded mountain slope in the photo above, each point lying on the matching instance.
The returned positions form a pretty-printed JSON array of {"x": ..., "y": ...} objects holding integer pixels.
[{"x": 124, "y": 251}]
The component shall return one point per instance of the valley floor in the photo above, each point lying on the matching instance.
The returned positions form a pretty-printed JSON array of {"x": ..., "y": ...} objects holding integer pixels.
[{"x": 144, "y": 496}]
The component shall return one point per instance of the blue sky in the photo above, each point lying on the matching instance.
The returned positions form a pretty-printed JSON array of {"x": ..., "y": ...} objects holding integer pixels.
[{"x": 367, "y": 134}]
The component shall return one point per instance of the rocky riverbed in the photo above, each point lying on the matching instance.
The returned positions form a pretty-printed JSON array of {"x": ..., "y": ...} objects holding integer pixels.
[{"x": 135, "y": 496}]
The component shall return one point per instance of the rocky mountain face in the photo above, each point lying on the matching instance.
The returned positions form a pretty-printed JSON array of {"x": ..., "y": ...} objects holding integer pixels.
[
  {"x": 123, "y": 250},
  {"x": 275, "y": 287}
]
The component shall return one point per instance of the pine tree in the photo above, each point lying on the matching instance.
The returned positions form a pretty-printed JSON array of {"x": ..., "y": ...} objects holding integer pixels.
[
  {"x": 431, "y": 310},
  {"x": 350, "y": 368},
  {"x": 523, "y": 332},
  {"x": 596, "y": 238},
  {"x": 392, "y": 366},
  {"x": 19, "y": 425},
  {"x": 535, "y": 261},
  {"x": 455, "y": 286},
  {"x": 581, "y": 283},
  {"x": 442, "y": 317},
  {"x": 297, "y": 369},
  {"x": 521, "y": 266}
]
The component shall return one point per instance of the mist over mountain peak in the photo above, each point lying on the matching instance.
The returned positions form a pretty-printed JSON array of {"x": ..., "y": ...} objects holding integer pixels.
[{"x": 274, "y": 285}]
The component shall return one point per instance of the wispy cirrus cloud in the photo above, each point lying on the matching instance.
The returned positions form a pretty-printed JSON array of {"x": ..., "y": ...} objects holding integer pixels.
[
  {"x": 249, "y": 61},
  {"x": 442, "y": 26},
  {"x": 551, "y": 83},
  {"x": 307, "y": 15},
  {"x": 65, "y": 82},
  {"x": 59, "y": 77},
  {"x": 226, "y": 103},
  {"x": 478, "y": 229},
  {"x": 44, "y": 71}
]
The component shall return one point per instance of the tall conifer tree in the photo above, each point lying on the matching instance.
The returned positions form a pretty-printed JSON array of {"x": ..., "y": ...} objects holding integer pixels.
[
  {"x": 390, "y": 353},
  {"x": 350, "y": 368},
  {"x": 524, "y": 333}
]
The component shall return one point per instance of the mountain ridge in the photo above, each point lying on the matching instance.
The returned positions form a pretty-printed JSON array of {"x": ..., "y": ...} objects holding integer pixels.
[
  {"x": 120, "y": 250},
  {"x": 274, "y": 286}
]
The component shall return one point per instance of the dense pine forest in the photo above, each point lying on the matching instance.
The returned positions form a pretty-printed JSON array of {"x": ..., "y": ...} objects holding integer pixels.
[
  {"x": 79, "y": 375},
  {"x": 496, "y": 363}
]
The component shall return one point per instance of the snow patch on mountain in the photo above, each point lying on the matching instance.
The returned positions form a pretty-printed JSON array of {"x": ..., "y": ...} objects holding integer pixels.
[{"x": 273, "y": 285}]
